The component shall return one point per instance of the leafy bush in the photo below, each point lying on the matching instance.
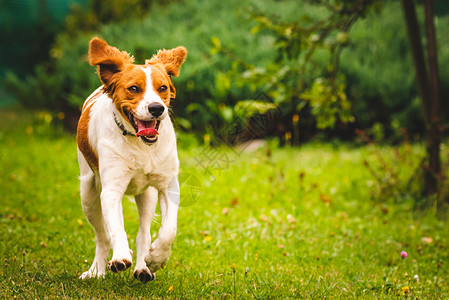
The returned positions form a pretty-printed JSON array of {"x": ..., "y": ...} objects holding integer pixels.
[
  {"x": 376, "y": 68},
  {"x": 303, "y": 77}
]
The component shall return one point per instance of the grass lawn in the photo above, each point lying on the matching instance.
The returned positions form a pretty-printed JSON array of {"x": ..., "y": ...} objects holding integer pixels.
[{"x": 274, "y": 223}]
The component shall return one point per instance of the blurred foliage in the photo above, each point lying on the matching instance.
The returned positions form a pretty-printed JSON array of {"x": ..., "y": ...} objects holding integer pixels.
[
  {"x": 380, "y": 75},
  {"x": 292, "y": 78},
  {"x": 100, "y": 12},
  {"x": 27, "y": 30},
  {"x": 334, "y": 72}
]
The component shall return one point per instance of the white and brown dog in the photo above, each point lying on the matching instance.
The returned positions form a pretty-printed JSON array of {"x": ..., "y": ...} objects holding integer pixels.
[{"x": 127, "y": 145}]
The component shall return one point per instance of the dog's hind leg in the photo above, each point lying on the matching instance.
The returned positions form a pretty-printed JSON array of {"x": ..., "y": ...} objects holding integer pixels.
[
  {"x": 146, "y": 204},
  {"x": 90, "y": 200}
]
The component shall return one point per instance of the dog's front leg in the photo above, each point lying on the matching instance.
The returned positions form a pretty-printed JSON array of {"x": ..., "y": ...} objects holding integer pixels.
[
  {"x": 113, "y": 189},
  {"x": 146, "y": 204},
  {"x": 160, "y": 249}
]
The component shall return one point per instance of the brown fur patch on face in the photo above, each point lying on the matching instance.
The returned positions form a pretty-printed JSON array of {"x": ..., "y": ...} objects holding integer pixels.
[
  {"x": 169, "y": 61},
  {"x": 82, "y": 134},
  {"x": 162, "y": 83},
  {"x": 125, "y": 100}
]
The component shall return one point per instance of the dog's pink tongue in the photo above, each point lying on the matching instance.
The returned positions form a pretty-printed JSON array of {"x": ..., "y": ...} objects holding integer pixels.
[
  {"x": 147, "y": 132},
  {"x": 145, "y": 128}
]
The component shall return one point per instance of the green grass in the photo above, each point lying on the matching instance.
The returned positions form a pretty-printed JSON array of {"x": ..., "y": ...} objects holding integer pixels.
[{"x": 295, "y": 223}]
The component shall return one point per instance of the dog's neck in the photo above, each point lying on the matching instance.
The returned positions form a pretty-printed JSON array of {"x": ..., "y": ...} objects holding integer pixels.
[{"x": 121, "y": 126}]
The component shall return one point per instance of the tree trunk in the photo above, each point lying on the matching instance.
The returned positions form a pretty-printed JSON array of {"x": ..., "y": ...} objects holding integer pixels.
[
  {"x": 433, "y": 143},
  {"x": 428, "y": 90}
]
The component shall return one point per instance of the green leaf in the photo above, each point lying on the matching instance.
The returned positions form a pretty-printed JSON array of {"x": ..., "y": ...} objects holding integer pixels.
[
  {"x": 184, "y": 123},
  {"x": 255, "y": 29},
  {"x": 248, "y": 108},
  {"x": 215, "y": 42}
]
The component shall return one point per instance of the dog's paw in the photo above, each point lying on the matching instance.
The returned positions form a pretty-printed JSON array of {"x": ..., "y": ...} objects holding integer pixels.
[
  {"x": 119, "y": 265},
  {"x": 156, "y": 259},
  {"x": 92, "y": 274},
  {"x": 96, "y": 270},
  {"x": 144, "y": 275}
]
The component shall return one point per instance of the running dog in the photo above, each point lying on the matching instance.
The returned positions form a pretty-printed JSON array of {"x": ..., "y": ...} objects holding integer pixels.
[{"x": 127, "y": 145}]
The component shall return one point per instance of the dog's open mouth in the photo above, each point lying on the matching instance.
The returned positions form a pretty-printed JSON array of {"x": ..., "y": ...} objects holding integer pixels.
[{"x": 146, "y": 130}]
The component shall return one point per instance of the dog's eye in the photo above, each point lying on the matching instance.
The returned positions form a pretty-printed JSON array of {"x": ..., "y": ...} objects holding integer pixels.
[
  {"x": 162, "y": 89},
  {"x": 133, "y": 89}
]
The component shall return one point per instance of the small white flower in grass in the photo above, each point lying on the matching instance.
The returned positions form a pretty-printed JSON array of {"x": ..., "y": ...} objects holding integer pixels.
[{"x": 416, "y": 277}]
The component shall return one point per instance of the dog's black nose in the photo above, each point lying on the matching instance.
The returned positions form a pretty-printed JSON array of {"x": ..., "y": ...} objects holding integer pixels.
[{"x": 156, "y": 109}]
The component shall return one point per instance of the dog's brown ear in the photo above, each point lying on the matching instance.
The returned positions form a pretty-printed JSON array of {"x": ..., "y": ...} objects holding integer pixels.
[
  {"x": 109, "y": 60},
  {"x": 171, "y": 59}
]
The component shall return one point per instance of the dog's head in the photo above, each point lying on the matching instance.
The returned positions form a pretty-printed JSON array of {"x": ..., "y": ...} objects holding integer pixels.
[{"x": 141, "y": 93}]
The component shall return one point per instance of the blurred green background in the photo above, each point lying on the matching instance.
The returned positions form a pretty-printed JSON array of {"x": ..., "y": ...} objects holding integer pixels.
[
  {"x": 44, "y": 47},
  {"x": 28, "y": 29}
]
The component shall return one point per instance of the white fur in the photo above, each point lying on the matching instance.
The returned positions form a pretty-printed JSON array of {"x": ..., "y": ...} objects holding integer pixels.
[
  {"x": 150, "y": 97},
  {"x": 129, "y": 166}
]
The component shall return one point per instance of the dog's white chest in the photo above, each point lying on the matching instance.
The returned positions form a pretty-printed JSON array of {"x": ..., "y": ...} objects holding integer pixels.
[
  {"x": 154, "y": 170},
  {"x": 141, "y": 181}
]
